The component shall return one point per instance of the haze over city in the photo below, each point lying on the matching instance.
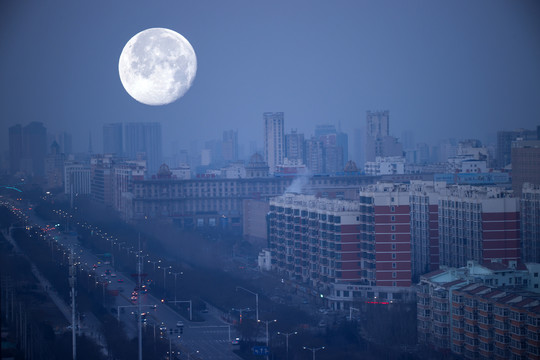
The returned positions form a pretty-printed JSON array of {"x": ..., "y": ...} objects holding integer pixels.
[
  {"x": 203, "y": 180},
  {"x": 443, "y": 69}
]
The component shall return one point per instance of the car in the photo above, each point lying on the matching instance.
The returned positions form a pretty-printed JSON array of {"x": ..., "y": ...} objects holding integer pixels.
[
  {"x": 162, "y": 327},
  {"x": 204, "y": 311},
  {"x": 113, "y": 274},
  {"x": 120, "y": 280},
  {"x": 179, "y": 323},
  {"x": 235, "y": 341}
]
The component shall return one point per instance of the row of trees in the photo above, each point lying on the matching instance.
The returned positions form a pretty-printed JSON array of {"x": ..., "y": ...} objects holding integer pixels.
[{"x": 92, "y": 297}]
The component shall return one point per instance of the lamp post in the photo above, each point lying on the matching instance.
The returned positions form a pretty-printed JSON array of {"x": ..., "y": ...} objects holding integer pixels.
[
  {"x": 154, "y": 263},
  {"x": 287, "y": 340},
  {"x": 256, "y": 300},
  {"x": 164, "y": 268},
  {"x": 314, "y": 350},
  {"x": 175, "y": 275},
  {"x": 267, "y": 322}
]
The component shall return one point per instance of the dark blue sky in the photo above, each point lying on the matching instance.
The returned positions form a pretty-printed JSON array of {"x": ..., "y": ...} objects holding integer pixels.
[{"x": 455, "y": 68}]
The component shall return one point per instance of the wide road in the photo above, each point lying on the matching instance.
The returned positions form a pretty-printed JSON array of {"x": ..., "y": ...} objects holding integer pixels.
[{"x": 209, "y": 339}]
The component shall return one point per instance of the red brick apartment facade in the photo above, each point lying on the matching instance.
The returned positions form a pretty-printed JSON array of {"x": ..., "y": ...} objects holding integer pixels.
[
  {"x": 474, "y": 318},
  {"x": 478, "y": 223},
  {"x": 386, "y": 245}
]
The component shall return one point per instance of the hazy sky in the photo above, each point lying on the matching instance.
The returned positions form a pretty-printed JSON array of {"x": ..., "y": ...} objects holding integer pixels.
[{"x": 455, "y": 68}]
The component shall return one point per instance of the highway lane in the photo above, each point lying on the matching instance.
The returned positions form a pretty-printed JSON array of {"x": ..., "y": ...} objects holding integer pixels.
[{"x": 203, "y": 340}]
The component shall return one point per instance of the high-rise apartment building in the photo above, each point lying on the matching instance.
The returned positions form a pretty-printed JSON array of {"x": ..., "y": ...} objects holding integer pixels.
[
  {"x": 424, "y": 202},
  {"x": 504, "y": 144},
  {"x": 525, "y": 163},
  {"x": 15, "y": 148},
  {"x": 478, "y": 223},
  {"x": 314, "y": 155},
  {"x": 378, "y": 124},
  {"x": 54, "y": 167},
  {"x": 229, "y": 145},
  {"x": 294, "y": 146},
  {"x": 315, "y": 240},
  {"x": 27, "y": 149},
  {"x": 113, "y": 140},
  {"x": 385, "y": 235},
  {"x": 274, "y": 139},
  {"x": 378, "y": 139},
  {"x": 530, "y": 222},
  {"x": 144, "y": 140},
  {"x": 336, "y": 142}
]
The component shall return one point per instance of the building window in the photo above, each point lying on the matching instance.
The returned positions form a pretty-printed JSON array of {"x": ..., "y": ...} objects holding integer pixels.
[
  {"x": 393, "y": 255},
  {"x": 393, "y": 246},
  {"x": 393, "y": 227},
  {"x": 393, "y": 265},
  {"x": 393, "y": 218},
  {"x": 392, "y": 208},
  {"x": 394, "y": 274}
]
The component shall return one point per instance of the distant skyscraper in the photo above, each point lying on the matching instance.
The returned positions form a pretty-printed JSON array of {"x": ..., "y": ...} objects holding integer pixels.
[
  {"x": 504, "y": 144},
  {"x": 15, "y": 148},
  {"x": 113, "y": 139},
  {"x": 54, "y": 167},
  {"x": 65, "y": 142},
  {"x": 144, "y": 138},
  {"x": 378, "y": 124},
  {"x": 34, "y": 148},
  {"x": 530, "y": 223},
  {"x": 525, "y": 163},
  {"x": 274, "y": 151},
  {"x": 294, "y": 146},
  {"x": 315, "y": 156},
  {"x": 336, "y": 145},
  {"x": 378, "y": 139},
  {"x": 359, "y": 147},
  {"x": 230, "y": 145}
]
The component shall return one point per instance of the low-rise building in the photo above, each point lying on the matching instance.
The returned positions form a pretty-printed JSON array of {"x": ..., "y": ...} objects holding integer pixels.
[{"x": 481, "y": 311}]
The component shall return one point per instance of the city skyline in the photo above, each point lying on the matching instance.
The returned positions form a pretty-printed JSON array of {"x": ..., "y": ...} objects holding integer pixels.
[{"x": 327, "y": 65}]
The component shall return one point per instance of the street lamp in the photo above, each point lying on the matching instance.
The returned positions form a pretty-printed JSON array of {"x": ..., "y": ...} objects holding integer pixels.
[
  {"x": 314, "y": 350},
  {"x": 164, "y": 269},
  {"x": 175, "y": 275},
  {"x": 154, "y": 263},
  {"x": 267, "y": 322},
  {"x": 256, "y": 300},
  {"x": 287, "y": 340},
  {"x": 189, "y": 354}
]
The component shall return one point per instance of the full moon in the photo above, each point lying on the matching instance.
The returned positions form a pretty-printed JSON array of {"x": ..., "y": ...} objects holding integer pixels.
[{"x": 157, "y": 66}]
